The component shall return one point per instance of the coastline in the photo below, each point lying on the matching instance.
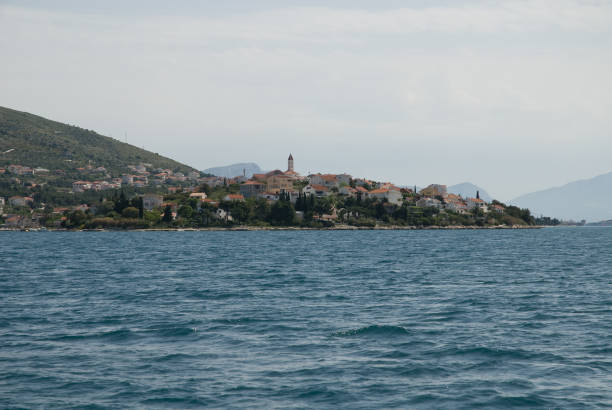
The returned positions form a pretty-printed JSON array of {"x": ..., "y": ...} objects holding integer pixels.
[{"x": 290, "y": 228}]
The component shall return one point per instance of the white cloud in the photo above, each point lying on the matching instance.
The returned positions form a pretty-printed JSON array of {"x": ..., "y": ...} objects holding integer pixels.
[{"x": 461, "y": 83}]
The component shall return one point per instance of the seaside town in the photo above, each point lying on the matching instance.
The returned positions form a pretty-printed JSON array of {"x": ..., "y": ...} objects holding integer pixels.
[{"x": 148, "y": 197}]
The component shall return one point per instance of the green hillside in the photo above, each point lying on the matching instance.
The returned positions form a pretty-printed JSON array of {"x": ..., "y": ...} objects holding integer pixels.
[{"x": 39, "y": 142}]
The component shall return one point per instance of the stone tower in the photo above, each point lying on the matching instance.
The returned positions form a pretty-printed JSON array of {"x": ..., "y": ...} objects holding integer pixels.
[{"x": 290, "y": 163}]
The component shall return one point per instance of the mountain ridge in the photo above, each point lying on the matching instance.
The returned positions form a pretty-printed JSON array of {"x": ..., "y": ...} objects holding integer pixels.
[
  {"x": 234, "y": 170},
  {"x": 34, "y": 141},
  {"x": 468, "y": 190},
  {"x": 589, "y": 199}
]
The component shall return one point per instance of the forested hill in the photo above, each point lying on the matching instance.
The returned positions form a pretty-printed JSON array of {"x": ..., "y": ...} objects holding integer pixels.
[{"x": 35, "y": 141}]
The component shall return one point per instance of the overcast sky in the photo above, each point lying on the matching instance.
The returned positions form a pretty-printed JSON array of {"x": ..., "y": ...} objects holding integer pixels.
[{"x": 513, "y": 96}]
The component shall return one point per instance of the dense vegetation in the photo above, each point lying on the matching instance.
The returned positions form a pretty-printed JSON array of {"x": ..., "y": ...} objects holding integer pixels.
[
  {"x": 39, "y": 142},
  {"x": 121, "y": 211}
]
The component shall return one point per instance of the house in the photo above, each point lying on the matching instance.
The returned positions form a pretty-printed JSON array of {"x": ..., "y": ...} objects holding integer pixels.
[
  {"x": 241, "y": 179},
  {"x": 434, "y": 190},
  {"x": 13, "y": 221},
  {"x": 212, "y": 181},
  {"x": 20, "y": 170},
  {"x": 252, "y": 189},
  {"x": 233, "y": 197},
  {"x": 223, "y": 215},
  {"x": 327, "y": 180},
  {"x": 127, "y": 179},
  {"x": 429, "y": 202},
  {"x": 362, "y": 193},
  {"x": 151, "y": 201},
  {"x": 344, "y": 179},
  {"x": 392, "y": 195},
  {"x": 456, "y": 206},
  {"x": 498, "y": 208},
  {"x": 193, "y": 175},
  {"x": 198, "y": 195},
  {"x": 19, "y": 200},
  {"x": 278, "y": 183},
  {"x": 348, "y": 191},
  {"x": 268, "y": 196},
  {"x": 476, "y": 203},
  {"x": 316, "y": 190}
]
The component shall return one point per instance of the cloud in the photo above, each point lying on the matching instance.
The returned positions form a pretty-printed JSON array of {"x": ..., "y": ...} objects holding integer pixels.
[{"x": 461, "y": 81}]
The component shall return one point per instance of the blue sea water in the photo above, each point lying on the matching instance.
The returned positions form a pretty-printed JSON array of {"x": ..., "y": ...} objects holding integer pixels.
[{"x": 307, "y": 319}]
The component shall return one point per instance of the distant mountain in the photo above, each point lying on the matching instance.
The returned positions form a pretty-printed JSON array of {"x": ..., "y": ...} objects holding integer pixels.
[
  {"x": 235, "y": 170},
  {"x": 468, "y": 190},
  {"x": 33, "y": 141},
  {"x": 589, "y": 199},
  {"x": 600, "y": 223}
]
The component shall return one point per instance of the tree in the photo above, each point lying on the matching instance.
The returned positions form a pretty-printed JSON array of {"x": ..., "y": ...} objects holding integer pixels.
[
  {"x": 121, "y": 203},
  {"x": 239, "y": 211},
  {"x": 185, "y": 211},
  {"x": 130, "y": 212},
  {"x": 140, "y": 207},
  {"x": 322, "y": 206},
  {"x": 75, "y": 219},
  {"x": 167, "y": 218},
  {"x": 282, "y": 213}
]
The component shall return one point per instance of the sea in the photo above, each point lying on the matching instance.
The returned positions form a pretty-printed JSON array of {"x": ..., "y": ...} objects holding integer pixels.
[{"x": 429, "y": 319}]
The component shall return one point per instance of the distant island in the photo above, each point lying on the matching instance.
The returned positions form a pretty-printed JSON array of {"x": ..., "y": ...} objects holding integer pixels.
[{"x": 57, "y": 176}]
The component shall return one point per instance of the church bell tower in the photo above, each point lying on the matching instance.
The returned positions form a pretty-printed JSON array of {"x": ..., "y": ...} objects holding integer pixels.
[{"x": 290, "y": 163}]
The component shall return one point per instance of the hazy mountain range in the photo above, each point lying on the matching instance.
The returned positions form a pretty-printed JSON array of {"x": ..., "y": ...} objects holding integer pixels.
[
  {"x": 589, "y": 199},
  {"x": 234, "y": 170}
]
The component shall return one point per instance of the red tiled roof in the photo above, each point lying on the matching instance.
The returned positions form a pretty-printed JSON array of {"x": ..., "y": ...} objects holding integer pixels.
[{"x": 319, "y": 187}]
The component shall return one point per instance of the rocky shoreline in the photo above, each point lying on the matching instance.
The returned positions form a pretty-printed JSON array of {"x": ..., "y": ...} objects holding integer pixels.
[{"x": 290, "y": 228}]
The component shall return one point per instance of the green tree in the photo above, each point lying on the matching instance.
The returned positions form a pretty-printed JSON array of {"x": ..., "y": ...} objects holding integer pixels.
[
  {"x": 121, "y": 203},
  {"x": 75, "y": 219},
  {"x": 167, "y": 218},
  {"x": 185, "y": 211},
  {"x": 282, "y": 213},
  {"x": 130, "y": 212}
]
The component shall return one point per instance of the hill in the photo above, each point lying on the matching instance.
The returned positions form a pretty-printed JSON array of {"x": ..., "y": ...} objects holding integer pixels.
[
  {"x": 588, "y": 199},
  {"x": 468, "y": 190},
  {"x": 235, "y": 170},
  {"x": 38, "y": 142}
]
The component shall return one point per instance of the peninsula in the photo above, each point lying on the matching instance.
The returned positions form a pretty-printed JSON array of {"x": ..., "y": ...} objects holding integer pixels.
[{"x": 57, "y": 176}]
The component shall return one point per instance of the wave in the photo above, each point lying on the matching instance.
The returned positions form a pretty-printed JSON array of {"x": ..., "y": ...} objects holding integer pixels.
[
  {"x": 118, "y": 335},
  {"x": 374, "y": 331}
]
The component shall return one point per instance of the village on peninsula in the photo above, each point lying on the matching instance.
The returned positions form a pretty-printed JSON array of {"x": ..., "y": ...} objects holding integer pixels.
[{"x": 144, "y": 197}]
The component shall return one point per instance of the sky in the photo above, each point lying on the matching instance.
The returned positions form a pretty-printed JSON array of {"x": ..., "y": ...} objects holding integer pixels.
[{"x": 514, "y": 96}]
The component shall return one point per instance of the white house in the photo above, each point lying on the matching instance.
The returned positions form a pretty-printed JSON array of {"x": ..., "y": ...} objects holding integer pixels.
[
  {"x": 429, "y": 202},
  {"x": 344, "y": 178},
  {"x": 198, "y": 195},
  {"x": 348, "y": 191},
  {"x": 456, "y": 206},
  {"x": 476, "y": 203},
  {"x": 81, "y": 186},
  {"x": 223, "y": 215},
  {"x": 269, "y": 196},
  {"x": 316, "y": 190},
  {"x": 393, "y": 196}
]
